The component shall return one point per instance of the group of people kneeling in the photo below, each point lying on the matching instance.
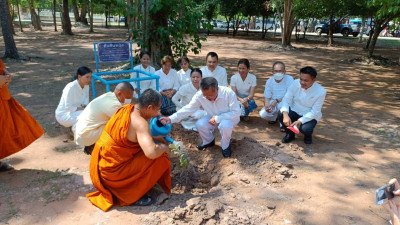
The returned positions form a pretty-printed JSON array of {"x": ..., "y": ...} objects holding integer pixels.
[{"x": 117, "y": 134}]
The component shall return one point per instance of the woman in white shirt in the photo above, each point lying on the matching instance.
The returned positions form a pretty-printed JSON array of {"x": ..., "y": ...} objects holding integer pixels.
[
  {"x": 144, "y": 66},
  {"x": 185, "y": 95},
  {"x": 244, "y": 84},
  {"x": 185, "y": 73},
  {"x": 169, "y": 84},
  {"x": 74, "y": 98}
]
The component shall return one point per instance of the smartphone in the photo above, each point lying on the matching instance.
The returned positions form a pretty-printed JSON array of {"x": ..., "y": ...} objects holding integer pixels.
[{"x": 382, "y": 193}]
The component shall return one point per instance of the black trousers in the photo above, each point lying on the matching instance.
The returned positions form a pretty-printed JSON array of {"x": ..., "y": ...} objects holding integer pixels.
[{"x": 306, "y": 128}]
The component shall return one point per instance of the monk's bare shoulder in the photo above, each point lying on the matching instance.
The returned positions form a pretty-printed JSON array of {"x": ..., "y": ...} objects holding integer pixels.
[{"x": 137, "y": 124}]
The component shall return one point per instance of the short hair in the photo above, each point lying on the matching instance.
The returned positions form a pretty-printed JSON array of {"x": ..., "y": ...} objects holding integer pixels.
[
  {"x": 143, "y": 53},
  {"x": 82, "y": 71},
  {"x": 124, "y": 86},
  {"x": 196, "y": 70},
  {"x": 309, "y": 70},
  {"x": 245, "y": 62},
  {"x": 183, "y": 58},
  {"x": 278, "y": 62},
  {"x": 212, "y": 54},
  {"x": 166, "y": 59},
  {"x": 150, "y": 97},
  {"x": 209, "y": 82}
]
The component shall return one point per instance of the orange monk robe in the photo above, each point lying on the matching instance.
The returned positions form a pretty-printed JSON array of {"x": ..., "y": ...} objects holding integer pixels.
[
  {"x": 119, "y": 169},
  {"x": 18, "y": 129}
]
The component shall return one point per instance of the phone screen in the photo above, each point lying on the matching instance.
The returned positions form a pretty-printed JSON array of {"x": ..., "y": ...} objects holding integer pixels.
[{"x": 384, "y": 192}]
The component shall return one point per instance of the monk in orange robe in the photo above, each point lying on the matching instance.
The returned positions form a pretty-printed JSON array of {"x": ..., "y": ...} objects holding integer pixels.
[
  {"x": 18, "y": 128},
  {"x": 125, "y": 162}
]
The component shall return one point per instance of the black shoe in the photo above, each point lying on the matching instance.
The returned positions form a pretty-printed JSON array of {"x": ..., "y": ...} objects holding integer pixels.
[
  {"x": 201, "y": 147},
  {"x": 308, "y": 139},
  {"x": 288, "y": 138},
  {"x": 227, "y": 152},
  {"x": 88, "y": 149}
]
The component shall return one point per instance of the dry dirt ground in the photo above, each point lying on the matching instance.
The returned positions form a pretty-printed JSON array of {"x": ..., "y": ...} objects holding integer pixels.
[{"x": 332, "y": 181}]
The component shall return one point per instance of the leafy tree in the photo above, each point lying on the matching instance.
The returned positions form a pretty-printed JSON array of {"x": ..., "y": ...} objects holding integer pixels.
[
  {"x": 209, "y": 10},
  {"x": 385, "y": 11},
  {"x": 35, "y": 19},
  {"x": 168, "y": 27},
  {"x": 65, "y": 20},
  {"x": 230, "y": 9},
  {"x": 10, "y": 47}
]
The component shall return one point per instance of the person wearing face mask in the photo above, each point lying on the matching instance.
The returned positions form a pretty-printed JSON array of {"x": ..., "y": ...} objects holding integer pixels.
[
  {"x": 275, "y": 88},
  {"x": 93, "y": 119},
  {"x": 74, "y": 99},
  {"x": 302, "y": 104},
  {"x": 223, "y": 112},
  {"x": 185, "y": 95}
]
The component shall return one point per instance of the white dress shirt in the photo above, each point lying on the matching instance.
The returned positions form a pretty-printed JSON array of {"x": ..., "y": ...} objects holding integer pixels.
[
  {"x": 95, "y": 116},
  {"x": 219, "y": 74},
  {"x": 168, "y": 81},
  {"x": 305, "y": 102},
  {"x": 184, "y": 95},
  {"x": 73, "y": 97},
  {"x": 274, "y": 90},
  {"x": 184, "y": 77},
  {"x": 144, "y": 84},
  {"x": 225, "y": 106},
  {"x": 243, "y": 86}
]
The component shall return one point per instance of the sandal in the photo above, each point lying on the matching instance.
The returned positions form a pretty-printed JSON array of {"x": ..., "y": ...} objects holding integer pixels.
[
  {"x": 145, "y": 200},
  {"x": 5, "y": 167}
]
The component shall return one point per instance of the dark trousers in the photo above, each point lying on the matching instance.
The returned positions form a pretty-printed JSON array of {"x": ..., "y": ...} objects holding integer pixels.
[{"x": 306, "y": 128}]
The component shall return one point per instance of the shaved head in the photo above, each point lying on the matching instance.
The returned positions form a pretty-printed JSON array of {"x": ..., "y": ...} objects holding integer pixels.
[{"x": 124, "y": 87}]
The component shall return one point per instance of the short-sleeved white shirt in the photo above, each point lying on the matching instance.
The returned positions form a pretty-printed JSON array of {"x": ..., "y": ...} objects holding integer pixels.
[
  {"x": 243, "y": 86},
  {"x": 184, "y": 95},
  {"x": 219, "y": 74},
  {"x": 145, "y": 84},
  {"x": 274, "y": 90},
  {"x": 168, "y": 81},
  {"x": 184, "y": 77}
]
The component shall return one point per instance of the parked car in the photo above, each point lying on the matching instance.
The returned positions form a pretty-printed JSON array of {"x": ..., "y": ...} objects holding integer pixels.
[
  {"x": 344, "y": 29},
  {"x": 268, "y": 24},
  {"x": 225, "y": 24}
]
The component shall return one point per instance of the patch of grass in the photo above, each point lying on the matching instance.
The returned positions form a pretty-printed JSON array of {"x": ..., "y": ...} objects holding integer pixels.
[{"x": 53, "y": 185}]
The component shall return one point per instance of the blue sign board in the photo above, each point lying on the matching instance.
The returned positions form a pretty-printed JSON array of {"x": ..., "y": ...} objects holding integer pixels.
[{"x": 113, "y": 52}]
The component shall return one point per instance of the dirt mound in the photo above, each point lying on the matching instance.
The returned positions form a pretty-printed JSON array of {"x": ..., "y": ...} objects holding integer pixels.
[
  {"x": 215, "y": 191},
  {"x": 374, "y": 60}
]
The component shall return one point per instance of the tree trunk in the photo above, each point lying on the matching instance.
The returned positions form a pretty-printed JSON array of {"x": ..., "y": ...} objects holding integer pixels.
[
  {"x": 34, "y": 17},
  {"x": 129, "y": 20},
  {"x": 19, "y": 17},
  {"x": 289, "y": 24},
  {"x": 55, "y": 15},
  {"x": 157, "y": 48},
  {"x": 362, "y": 30},
  {"x": 106, "y": 13},
  {"x": 75, "y": 10},
  {"x": 331, "y": 28},
  {"x": 91, "y": 17},
  {"x": 66, "y": 22},
  {"x": 379, "y": 26},
  {"x": 10, "y": 17},
  {"x": 84, "y": 12},
  {"x": 10, "y": 48},
  {"x": 263, "y": 33}
]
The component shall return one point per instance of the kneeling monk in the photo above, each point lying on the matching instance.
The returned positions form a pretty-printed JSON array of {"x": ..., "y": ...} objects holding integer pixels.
[{"x": 125, "y": 162}]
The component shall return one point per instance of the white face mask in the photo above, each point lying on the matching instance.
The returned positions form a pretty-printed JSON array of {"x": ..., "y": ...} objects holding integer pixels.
[
  {"x": 127, "y": 101},
  {"x": 278, "y": 76}
]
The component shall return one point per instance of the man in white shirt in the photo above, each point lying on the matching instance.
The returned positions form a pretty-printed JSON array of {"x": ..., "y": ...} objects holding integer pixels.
[
  {"x": 212, "y": 69},
  {"x": 222, "y": 109},
  {"x": 275, "y": 88},
  {"x": 301, "y": 106},
  {"x": 98, "y": 112}
]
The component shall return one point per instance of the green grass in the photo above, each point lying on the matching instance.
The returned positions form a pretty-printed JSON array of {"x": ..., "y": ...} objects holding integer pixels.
[
  {"x": 11, "y": 208},
  {"x": 389, "y": 42}
]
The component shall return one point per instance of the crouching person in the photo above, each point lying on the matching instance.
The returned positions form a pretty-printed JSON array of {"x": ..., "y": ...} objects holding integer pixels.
[
  {"x": 125, "y": 162},
  {"x": 301, "y": 106},
  {"x": 93, "y": 119},
  {"x": 222, "y": 109}
]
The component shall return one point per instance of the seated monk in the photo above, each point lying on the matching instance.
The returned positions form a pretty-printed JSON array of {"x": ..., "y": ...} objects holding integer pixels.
[{"x": 125, "y": 162}]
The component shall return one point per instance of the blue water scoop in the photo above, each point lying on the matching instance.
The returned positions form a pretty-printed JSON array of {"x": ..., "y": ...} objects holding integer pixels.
[{"x": 158, "y": 129}]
